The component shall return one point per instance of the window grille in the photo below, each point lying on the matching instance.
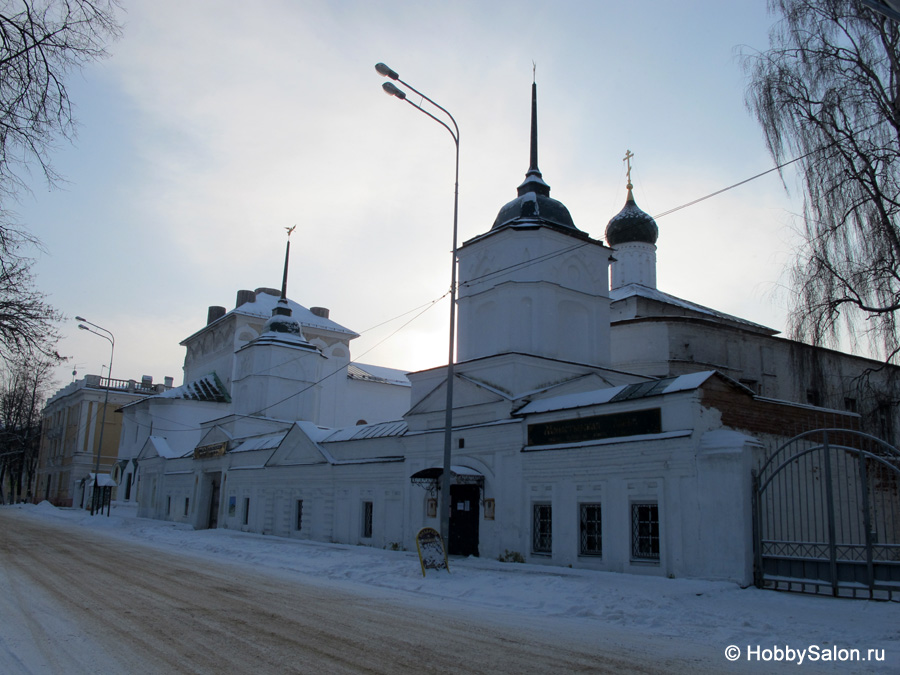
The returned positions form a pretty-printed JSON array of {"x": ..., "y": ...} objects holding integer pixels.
[
  {"x": 367, "y": 520},
  {"x": 542, "y": 529},
  {"x": 645, "y": 531},
  {"x": 591, "y": 530}
]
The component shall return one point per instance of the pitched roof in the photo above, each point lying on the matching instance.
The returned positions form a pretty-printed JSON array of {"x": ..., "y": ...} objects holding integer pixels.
[
  {"x": 367, "y": 373},
  {"x": 628, "y": 392},
  {"x": 656, "y": 295},
  {"x": 379, "y": 430},
  {"x": 207, "y": 388},
  {"x": 262, "y": 307}
]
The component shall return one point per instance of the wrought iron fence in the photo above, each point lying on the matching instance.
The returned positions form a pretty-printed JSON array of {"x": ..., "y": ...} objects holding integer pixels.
[{"x": 827, "y": 516}]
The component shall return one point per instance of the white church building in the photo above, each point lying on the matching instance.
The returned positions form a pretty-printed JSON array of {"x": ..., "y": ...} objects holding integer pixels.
[{"x": 605, "y": 429}]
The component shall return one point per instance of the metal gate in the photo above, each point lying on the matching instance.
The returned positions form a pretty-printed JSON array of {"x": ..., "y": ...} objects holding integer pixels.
[{"x": 826, "y": 516}]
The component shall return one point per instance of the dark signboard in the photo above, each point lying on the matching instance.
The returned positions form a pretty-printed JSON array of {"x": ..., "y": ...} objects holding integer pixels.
[
  {"x": 578, "y": 430},
  {"x": 212, "y": 450},
  {"x": 431, "y": 550}
]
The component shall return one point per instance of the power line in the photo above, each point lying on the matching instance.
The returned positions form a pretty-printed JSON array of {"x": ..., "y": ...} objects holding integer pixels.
[
  {"x": 424, "y": 308},
  {"x": 338, "y": 370},
  {"x": 507, "y": 269},
  {"x": 730, "y": 187}
]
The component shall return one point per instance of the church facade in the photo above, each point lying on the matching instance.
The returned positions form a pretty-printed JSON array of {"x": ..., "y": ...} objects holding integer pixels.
[{"x": 592, "y": 428}]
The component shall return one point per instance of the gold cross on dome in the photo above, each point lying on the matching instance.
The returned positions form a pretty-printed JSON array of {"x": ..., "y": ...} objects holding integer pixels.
[
  {"x": 290, "y": 230},
  {"x": 627, "y": 159}
]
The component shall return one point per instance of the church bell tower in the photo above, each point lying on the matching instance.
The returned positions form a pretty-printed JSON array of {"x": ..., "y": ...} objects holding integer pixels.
[{"x": 534, "y": 284}]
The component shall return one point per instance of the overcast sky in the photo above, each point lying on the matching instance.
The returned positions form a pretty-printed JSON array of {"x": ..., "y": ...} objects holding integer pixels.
[{"x": 215, "y": 125}]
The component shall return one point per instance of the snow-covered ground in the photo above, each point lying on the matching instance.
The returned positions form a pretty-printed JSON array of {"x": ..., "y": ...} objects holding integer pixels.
[{"x": 716, "y": 615}]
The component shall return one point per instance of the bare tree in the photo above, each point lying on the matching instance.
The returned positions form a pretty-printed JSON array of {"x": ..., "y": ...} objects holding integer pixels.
[
  {"x": 24, "y": 385},
  {"x": 828, "y": 90},
  {"x": 41, "y": 43},
  {"x": 27, "y": 321}
]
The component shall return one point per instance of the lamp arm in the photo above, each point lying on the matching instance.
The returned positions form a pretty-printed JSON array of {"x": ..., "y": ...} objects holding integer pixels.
[
  {"x": 455, "y": 136},
  {"x": 436, "y": 105}
]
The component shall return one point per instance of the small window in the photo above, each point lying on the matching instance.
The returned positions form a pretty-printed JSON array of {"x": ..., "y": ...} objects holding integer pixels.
[
  {"x": 246, "y": 510},
  {"x": 168, "y": 506},
  {"x": 187, "y": 502},
  {"x": 850, "y": 404},
  {"x": 542, "y": 529},
  {"x": 591, "y": 530},
  {"x": 461, "y": 443},
  {"x": 645, "y": 531},
  {"x": 367, "y": 520},
  {"x": 299, "y": 525}
]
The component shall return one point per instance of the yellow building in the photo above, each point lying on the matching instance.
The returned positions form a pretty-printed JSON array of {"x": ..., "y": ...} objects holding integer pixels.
[{"x": 72, "y": 422}]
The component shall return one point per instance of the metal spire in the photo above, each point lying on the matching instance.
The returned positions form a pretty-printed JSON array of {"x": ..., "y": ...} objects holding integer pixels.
[
  {"x": 287, "y": 255},
  {"x": 534, "y": 181}
]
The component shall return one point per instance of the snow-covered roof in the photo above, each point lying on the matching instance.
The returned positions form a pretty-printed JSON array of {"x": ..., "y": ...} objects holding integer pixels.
[
  {"x": 207, "y": 388},
  {"x": 162, "y": 448},
  {"x": 626, "y": 392},
  {"x": 313, "y": 431},
  {"x": 656, "y": 295},
  {"x": 379, "y": 430},
  {"x": 262, "y": 307},
  {"x": 262, "y": 442},
  {"x": 368, "y": 373},
  {"x": 103, "y": 480}
]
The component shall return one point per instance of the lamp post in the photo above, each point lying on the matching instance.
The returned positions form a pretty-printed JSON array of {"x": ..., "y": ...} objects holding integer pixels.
[
  {"x": 395, "y": 91},
  {"x": 109, "y": 337}
]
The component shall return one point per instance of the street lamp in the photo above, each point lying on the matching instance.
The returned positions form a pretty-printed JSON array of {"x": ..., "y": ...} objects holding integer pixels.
[
  {"x": 395, "y": 91},
  {"x": 109, "y": 337}
]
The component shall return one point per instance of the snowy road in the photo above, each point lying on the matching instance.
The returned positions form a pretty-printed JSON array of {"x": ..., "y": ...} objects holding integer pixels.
[
  {"x": 73, "y": 602},
  {"x": 127, "y": 595}
]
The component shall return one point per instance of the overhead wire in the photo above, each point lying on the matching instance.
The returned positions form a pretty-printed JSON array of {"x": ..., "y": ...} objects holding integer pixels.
[
  {"x": 341, "y": 369},
  {"x": 510, "y": 268},
  {"x": 424, "y": 308}
]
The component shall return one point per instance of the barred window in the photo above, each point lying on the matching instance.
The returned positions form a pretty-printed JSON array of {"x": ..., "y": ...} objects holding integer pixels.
[
  {"x": 542, "y": 528},
  {"x": 367, "y": 520},
  {"x": 591, "y": 530},
  {"x": 645, "y": 531}
]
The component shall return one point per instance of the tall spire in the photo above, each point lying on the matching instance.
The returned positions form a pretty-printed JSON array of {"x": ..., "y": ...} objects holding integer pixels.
[
  {"x": 534, "y": 181},
  {"x": 282, "y": 308},
  {"x": 287, "y": 255},
  {"x": 534, "y": 143}
]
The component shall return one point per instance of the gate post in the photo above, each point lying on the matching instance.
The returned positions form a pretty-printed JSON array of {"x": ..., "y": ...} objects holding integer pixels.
[
  {"x": 757, "y": 533},
  {"x": 867, "y": 521},
  {"x": 829, "y": 498}
]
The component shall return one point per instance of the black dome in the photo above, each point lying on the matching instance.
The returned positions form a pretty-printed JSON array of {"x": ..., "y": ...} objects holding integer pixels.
[
  {"x": 631, "y": 225},
  {"x": 534, "y": 207}
]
